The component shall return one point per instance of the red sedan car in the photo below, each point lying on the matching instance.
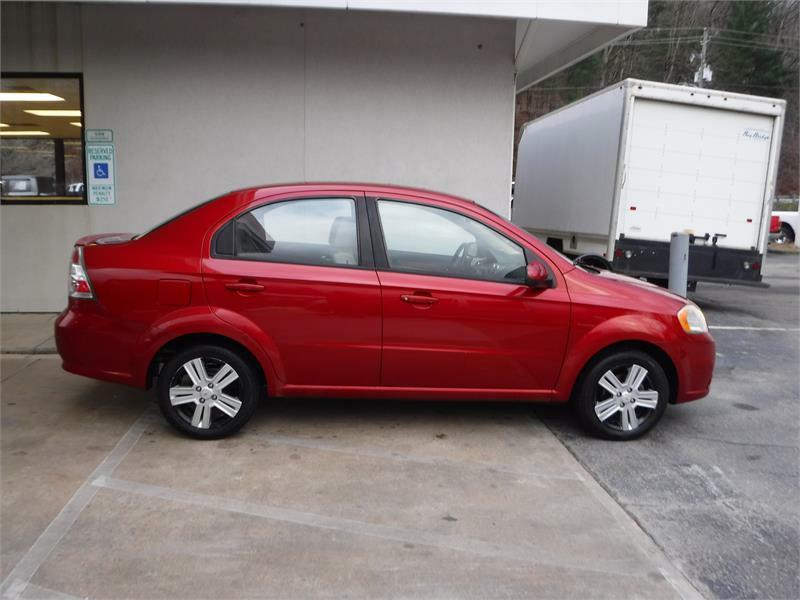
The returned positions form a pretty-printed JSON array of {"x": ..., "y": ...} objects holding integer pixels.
[{"x": 374, "y": 292}]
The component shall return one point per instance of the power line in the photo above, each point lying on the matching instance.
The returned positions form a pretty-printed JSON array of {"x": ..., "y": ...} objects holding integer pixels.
[
  {"x": 714, "y": 29},
  {"x": 729, "y": 38},
  {"x": 679, "y": 40},
  {"x": 715, "y": 39},
  {"x": 642, "y": 36},
  {"x": 754, "y": 47},
  {"x": 740, "y": 32}
]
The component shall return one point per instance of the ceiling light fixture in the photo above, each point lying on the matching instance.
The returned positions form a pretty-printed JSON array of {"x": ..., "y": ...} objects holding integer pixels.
[
  {"x": 54, "y": 113},
  {"x": 23, "y": 133},
  {"x": 29, "y": 97},
  {"x": 3, "y": 124},
  {"x": 76, "y": 123}
]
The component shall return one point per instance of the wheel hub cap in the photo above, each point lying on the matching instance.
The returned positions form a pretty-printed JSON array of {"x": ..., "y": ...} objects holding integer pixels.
[
  {"x": 210, "y": 393},
  {"x": 625, "y": 405}
]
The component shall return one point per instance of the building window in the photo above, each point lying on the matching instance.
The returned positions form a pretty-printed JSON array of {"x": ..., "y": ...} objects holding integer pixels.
[{"x": 41, "y": 139}]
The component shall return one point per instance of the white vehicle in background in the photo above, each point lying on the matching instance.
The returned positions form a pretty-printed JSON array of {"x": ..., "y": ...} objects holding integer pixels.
[
  {"x": 614, "y": 174},
  {"x": 789, "y": 226},
  {"x": 76, "y": 189},
  {"x": 27, "y": 185}
]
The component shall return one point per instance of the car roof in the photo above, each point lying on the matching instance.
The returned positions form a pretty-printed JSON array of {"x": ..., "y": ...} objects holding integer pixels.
[{"x": 374, "y": 189}]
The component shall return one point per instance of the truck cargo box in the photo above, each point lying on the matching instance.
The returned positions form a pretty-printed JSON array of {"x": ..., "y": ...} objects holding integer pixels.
[{"x": 617, "y": 172}]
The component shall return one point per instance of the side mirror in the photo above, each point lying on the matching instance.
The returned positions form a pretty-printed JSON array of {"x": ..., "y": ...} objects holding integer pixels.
[{"x": 537, "y": 276}]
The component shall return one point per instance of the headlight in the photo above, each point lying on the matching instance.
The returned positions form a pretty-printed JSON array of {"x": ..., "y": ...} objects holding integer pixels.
[{"x": 692, "y": 320}]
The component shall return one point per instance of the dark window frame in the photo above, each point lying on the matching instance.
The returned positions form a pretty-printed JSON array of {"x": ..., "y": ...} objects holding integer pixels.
[
  {"x": 365, "y": 253},
  {"x": 382, "y": 257},
  {"x": 78, "y": 201}
]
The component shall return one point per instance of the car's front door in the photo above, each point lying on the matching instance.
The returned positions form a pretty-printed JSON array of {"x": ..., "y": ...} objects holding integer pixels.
[
  {"x": 300, "y": 271},
  {"x": 456, "y": 311}
]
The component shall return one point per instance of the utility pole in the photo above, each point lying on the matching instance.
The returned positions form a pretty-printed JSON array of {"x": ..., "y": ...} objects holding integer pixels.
[{"x": 703, "y": 58}]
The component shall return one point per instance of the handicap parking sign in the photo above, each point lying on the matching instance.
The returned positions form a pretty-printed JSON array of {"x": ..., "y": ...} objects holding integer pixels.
[{"x": 101, "y": 170}]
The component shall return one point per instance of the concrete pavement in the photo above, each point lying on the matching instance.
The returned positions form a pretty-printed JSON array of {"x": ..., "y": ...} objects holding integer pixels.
[
  {"x": 313, "y": 499},
  {"x": 27, "y": 333}
]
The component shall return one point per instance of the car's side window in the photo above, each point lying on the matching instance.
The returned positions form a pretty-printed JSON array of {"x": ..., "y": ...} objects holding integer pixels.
[
  {"x": 424, "y": 239},
  {"x": 318, "y": 231}
]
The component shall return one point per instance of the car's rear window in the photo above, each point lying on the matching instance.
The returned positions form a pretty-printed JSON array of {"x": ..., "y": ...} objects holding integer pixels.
[{"x": 178, "y": 216}]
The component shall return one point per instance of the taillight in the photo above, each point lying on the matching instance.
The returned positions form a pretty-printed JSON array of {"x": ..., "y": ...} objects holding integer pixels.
[{"x": 79, "y": 284}]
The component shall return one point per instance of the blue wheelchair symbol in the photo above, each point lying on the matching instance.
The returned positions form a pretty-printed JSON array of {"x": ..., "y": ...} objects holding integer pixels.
[{"x": 101, "y": 170}]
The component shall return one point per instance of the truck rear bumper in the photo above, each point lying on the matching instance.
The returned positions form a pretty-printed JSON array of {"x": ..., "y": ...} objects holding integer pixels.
[{"x": 645, "y": 258}]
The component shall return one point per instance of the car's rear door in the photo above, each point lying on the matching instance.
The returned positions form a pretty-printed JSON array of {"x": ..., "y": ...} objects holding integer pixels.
[
  {"x": 459, "y": 322},
  {"x": 300, "y": 269}
]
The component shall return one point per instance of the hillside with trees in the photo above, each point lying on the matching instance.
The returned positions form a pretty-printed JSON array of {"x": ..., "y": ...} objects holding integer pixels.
[{"x": 743, "y": 46}]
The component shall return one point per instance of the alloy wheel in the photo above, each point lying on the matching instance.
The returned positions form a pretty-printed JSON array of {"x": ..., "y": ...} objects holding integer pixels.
[
  {"x": 625, "y": 398},
  {"x": 205, "y": 393}
]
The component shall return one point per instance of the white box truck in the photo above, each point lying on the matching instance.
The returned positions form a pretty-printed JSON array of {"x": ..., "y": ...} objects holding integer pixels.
[{"x": 617, "y": 172}]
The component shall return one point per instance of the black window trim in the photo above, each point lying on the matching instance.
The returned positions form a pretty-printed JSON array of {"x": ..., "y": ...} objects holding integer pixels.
[
  {"x": 382, "y": 258},
  {"x": 365, "y": 253},
  {"x": 84, "y": 200}
]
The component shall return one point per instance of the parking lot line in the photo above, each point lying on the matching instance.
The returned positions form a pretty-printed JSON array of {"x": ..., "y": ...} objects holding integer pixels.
[
  {"x": 29, "y": 360},
  {"x": 747, "y": 328},
  {"x": 300, "y": 442},
  {"x": 37, "y": 592},
  {"x": 17, "y": 580},
  {"x": 534, "y": 555}
]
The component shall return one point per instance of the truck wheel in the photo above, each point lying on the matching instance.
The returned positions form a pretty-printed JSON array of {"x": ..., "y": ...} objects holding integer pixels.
[
  {"x": 208, "y": 392},
  {"x": 622, "y": 396},
  {"x": 786, "y": 236},
  {"x": 660, "y": 282}
]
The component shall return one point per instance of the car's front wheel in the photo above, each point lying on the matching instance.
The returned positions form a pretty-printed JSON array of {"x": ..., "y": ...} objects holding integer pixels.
[
  {"x": 208, "y": 392},
  {"x": 623, "y": 395}
]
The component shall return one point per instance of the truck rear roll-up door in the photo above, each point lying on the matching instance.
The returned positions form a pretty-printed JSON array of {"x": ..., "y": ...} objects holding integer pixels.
[{"x": 694, "y": 168}]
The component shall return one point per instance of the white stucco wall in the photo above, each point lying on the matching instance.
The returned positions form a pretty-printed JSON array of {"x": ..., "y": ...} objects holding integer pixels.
[{"x": 205, "y": 99}]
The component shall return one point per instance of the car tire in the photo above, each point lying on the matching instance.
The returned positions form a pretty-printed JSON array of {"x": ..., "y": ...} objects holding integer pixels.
[
  {"x": 622, "y": 395},
  {"x": 208, "y": 392}
]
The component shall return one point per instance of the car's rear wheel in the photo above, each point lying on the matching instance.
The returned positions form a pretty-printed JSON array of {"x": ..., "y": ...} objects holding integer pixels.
[
  {"x": 623, "y": 395},
  {"x": 208, "y": 392}
]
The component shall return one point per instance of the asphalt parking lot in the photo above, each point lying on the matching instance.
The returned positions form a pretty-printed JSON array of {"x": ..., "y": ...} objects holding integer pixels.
[
  {"x": 717, "y": 483},
  {"x": 388, "y": 499}
]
